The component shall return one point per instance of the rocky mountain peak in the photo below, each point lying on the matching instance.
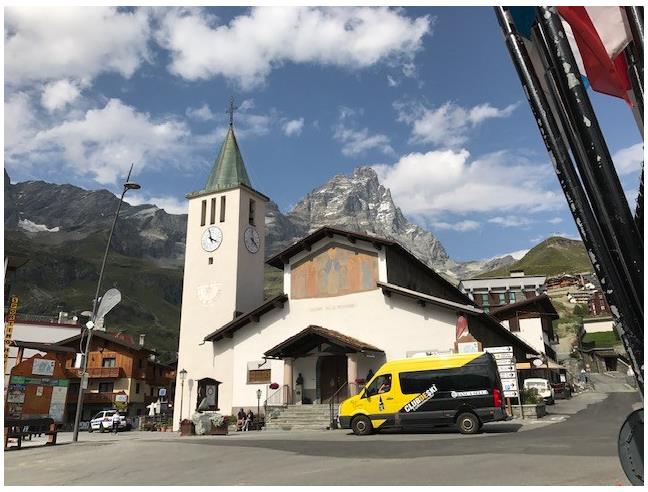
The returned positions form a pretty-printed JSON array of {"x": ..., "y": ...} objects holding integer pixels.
[{"x": 358, "y": 202}]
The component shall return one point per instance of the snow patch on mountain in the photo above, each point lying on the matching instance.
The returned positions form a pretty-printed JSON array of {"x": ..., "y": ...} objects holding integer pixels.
[{"x": 30, "y": 226}]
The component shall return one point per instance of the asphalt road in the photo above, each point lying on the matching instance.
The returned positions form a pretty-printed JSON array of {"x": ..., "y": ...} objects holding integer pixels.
[{"x": 574, "y": 446}]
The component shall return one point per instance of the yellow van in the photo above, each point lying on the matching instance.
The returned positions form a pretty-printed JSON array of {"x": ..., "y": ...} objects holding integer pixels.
[{"x": 462, "y": 390}]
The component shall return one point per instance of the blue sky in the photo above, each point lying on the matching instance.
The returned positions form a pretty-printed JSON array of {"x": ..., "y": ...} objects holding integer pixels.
[{"x": 427, "y": 96}]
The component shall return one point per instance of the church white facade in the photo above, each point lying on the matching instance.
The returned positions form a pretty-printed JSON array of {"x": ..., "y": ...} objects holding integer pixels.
[{"x": 350, "y": 303}]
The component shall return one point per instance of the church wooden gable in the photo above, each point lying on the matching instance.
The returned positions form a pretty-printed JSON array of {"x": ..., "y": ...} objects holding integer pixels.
[{"x": 336, "y": 270}]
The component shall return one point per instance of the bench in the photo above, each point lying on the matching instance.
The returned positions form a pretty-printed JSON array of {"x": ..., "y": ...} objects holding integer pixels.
[
  {"x": 256, "y": 424},
  {"x": 26, "y": 428}
]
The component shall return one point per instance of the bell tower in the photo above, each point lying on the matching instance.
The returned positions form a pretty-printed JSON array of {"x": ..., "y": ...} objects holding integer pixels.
[{"x": 223, "y": 276}]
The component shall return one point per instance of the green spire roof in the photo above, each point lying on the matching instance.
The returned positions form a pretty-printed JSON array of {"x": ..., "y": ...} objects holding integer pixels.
[{"x": 229, "y": 170}]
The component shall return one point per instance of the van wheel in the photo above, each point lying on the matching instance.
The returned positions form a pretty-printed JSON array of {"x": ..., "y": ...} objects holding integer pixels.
[
  {"x": 468, "y": 423},
  {"x": 90, "y": 429},
  {"x": 361, "y": 426}
]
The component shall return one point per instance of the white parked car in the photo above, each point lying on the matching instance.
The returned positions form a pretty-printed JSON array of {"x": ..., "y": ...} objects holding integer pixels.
[
  {"x": 102, "y": 422},
  {"x": 543, "y": 387}
]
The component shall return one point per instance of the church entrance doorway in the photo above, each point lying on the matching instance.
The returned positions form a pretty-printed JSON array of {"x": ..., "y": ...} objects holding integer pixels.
[{"x": 331, "y": 375}]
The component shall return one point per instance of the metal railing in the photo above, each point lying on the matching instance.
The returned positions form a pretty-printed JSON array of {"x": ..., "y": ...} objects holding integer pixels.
[
  {"x": 332, "y": 400},
  {"x": 279, "y": 398},
  {"x": 100, "y": 372}
]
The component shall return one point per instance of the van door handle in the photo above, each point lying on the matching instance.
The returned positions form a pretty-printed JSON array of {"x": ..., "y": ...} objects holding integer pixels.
[{"x": 389, "y": 398}]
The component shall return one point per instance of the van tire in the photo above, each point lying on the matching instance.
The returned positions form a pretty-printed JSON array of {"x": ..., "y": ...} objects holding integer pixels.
[
  {"x": 361, "y": 425},
  {"x": 468, "y": 423}
]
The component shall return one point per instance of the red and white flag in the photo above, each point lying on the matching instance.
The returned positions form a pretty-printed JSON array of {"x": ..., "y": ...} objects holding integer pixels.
[{"x": 600, "y": 34}]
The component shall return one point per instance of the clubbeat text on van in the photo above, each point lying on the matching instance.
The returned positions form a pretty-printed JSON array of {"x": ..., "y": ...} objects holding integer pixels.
[{"x": 462, "y": 390}]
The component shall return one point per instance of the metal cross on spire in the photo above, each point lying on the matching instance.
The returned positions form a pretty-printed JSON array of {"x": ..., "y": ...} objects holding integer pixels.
[{"x": 231, "y": 110}]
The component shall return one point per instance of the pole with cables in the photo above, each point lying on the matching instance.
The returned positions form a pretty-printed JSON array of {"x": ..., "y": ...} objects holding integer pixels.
[{"x": 84, "y": 376}]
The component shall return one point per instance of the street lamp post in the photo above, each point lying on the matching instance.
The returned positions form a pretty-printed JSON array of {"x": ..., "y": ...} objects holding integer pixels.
[
  {"x": 258, "y": 402},
  {"x": 128, "y": 185},
  {"x": 183, "y": 375}
]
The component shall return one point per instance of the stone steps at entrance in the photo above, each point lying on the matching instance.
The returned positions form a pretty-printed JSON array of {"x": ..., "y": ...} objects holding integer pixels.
[{"x": 299, "y": 417}]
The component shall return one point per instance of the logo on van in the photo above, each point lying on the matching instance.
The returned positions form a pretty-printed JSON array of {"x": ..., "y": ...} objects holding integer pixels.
[
  {"x": 458, "y": 394},
  {"x": 420, "y": 399}
]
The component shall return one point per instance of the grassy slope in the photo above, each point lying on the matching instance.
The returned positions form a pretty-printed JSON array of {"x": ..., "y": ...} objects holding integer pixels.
[{"x": 552, "y": 256}]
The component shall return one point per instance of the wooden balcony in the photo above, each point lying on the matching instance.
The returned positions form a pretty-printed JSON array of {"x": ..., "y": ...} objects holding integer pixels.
[
  {"x": 93, "y": 398},
  {"x": 100, "y": 372}
]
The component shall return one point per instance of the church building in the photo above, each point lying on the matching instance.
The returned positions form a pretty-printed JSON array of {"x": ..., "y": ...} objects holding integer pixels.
[{"x": 351, "y": 302}]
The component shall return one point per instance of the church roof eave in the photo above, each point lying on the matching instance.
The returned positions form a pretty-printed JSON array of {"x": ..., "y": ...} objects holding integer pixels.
[{"x": 228, "y": 329}]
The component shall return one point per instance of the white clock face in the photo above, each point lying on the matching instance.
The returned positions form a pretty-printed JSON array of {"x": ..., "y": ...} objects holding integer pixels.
[
  {"x": 251, "y": 239},
  {"x": 212, "y": 238}
]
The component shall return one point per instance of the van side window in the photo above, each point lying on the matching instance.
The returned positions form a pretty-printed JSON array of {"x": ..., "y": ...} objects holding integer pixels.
[
  {"x": 465, "y": 378},
  {"x": 382, "y": 384}
]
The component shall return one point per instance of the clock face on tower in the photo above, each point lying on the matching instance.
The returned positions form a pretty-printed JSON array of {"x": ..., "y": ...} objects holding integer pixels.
[
  {"x": 251, "y": 239},
  {"x": 212, "y": 238}
]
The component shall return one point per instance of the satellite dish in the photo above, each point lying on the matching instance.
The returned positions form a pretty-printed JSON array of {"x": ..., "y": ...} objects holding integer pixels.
[
  {"x": 631, "y": 447},
  {"x": 109, "y": 300}
]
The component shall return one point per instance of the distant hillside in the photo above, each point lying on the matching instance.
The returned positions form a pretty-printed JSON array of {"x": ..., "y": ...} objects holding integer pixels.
[{"x": 552, "y": 256}]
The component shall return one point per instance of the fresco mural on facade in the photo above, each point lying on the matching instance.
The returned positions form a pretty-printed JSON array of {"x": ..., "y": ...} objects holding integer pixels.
[{"x": 335, "y": 271}]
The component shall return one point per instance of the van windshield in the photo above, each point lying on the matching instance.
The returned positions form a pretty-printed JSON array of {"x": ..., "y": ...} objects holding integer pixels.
[{"x": 382, "y": 384}]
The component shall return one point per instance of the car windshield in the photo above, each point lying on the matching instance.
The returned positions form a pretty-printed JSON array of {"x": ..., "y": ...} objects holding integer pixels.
[{"x": 536, "y": 384}]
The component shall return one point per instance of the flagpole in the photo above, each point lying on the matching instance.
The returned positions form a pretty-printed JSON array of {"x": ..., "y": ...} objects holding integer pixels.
[
  {"x": 634, "y": 54},
  {"x": 600, "y": 215},
  {"x": 635, "y": 21},
  {"x": 574, "y": 193},
  {"x": 595, "y": 164}
]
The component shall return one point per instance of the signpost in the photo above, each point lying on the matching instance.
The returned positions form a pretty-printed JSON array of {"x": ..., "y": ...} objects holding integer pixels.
[
  {"x": 9, "y": 325},
  {"x": 508, "y": 373}
]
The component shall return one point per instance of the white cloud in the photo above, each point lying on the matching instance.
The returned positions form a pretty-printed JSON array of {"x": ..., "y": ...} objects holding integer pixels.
[
  {"x": 555, "y": 220},
  {"x": 391, "y": 81},
  {"x": 449, "y": 124},
  {"x": 57, "y": 95},
  {"x": 461, "y": 226},
  {"x": 203, "y": 113},
  {"x": 52, "y": 43},
  {"x": 21, "y": 124},
  {"x": 629, "y": 160},
  {"x": 170, "y": 204},
  {"x": 104, "y": 142},
  {"x": 248, "y": 48},
  {"x": 510, "y": 221},
  {"x": 293, "y": 127},
  {"x": 449, "y": 181},
  {"x": 356, "y": 140}
]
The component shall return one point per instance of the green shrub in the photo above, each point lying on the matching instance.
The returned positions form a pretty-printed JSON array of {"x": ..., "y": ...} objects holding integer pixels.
[{"x": 530, "y": 396}]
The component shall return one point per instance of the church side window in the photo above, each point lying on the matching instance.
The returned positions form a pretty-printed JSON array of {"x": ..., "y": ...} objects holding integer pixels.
[
  {"x": 252, "y": 212},
  {"x": 203, "y": 213},
  {"x": 222, "y": 209},
  {"x": 212, "y": 215}
]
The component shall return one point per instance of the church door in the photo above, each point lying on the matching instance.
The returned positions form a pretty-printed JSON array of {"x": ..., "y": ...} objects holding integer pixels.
[{"x": 332, "y": 375}]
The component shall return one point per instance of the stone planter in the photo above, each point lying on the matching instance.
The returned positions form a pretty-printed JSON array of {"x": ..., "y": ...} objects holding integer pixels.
[
  {"x": 187, "y": 428},
  {"x": 219, "y": 431},
  {"x": 536, "y": 411}
]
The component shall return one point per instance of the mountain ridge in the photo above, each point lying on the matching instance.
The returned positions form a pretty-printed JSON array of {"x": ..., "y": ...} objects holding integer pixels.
[{"x": 63, "y": 229}]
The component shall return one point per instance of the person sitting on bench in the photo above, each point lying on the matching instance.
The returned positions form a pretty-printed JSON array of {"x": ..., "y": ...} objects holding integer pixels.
[
  {"x": 240, "y": 419},
  {"x": 249, "y": 418}
]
